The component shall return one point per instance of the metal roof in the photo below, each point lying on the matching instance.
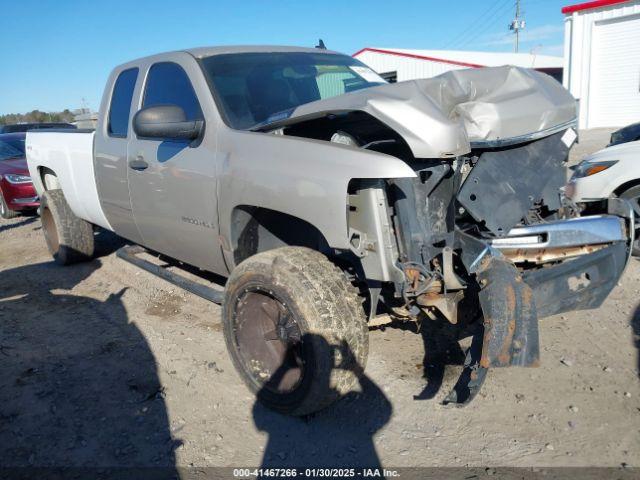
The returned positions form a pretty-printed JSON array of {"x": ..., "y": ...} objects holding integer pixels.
[
  {"x": 590, "y": 5},
  {"x": 472, "y": 59}
]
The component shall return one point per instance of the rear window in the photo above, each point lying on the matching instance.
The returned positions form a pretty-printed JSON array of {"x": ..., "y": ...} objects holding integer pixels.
[
  {"x": 121, "y": 103},
  {"x": 10, "y": 149}
]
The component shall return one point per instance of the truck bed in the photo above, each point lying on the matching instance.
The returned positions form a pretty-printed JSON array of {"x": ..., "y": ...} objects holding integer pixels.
[{"x": 69, "y": 155}]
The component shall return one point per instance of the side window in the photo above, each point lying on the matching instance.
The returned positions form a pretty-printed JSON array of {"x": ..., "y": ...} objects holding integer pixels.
[
  {"x": 168, "y": 83},
  {"x": 121, "y": 103}
]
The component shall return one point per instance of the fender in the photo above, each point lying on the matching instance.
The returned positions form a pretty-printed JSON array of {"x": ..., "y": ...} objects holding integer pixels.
[{"x": 307, "y": 179}]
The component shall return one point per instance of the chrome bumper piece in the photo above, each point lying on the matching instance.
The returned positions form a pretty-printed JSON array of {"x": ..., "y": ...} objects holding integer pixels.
[
  {"x": 563, "y": 239},
  {"x": 581, "y": 231},
  {"x": 25, "y": 200}
]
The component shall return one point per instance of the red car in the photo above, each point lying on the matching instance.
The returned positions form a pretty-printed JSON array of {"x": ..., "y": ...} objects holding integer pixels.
[{"x": 16, "y": 190}]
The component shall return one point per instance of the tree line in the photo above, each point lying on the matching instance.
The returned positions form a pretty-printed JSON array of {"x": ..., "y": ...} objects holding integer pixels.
[{"x": 36, "y": 116}]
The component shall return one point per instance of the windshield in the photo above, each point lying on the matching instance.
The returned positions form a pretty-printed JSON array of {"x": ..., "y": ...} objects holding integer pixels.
[
  {"x": 11, "y": 149},
  {"x": 255, "y": 88}
]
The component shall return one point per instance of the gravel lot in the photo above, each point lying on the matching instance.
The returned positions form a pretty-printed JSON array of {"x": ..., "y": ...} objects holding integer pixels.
[{"x": 103, "y": 364}]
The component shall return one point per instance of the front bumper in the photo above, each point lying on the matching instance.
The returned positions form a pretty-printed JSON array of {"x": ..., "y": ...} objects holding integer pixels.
[
  {"x": 558, "y": 240},
  {"x": 596, "y": 248},
  {"x": 20, "y": 196},
  {"x": 517, "y": 289}
]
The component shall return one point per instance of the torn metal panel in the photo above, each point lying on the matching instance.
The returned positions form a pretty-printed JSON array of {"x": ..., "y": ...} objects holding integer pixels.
[
  {"x": 579, "y": 284},
  {"x": 509, "y": 316},
  {"x": 509, "y": 311},
  {"x": 504, "y": 185}
]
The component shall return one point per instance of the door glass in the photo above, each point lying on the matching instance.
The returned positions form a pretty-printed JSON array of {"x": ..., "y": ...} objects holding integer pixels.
[
  {"x": 121, "y": 103},
  {"x": 168, "y": 84}
]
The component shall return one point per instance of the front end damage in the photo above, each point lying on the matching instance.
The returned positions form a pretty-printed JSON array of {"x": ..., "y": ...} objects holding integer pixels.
[
  {"x": 487, "y": 242},
  {"x": 482, "y": 236}
]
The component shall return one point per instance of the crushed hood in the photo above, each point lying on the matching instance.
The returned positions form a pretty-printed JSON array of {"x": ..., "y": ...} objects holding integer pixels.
[{"x": 447, "y": 115}]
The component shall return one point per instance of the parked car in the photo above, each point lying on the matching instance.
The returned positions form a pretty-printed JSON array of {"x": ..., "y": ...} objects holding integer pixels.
[
  {"x": 630, "y": 133},
  {"x": 611, "y": 172},
  {"x": 25, "y": 127},
  {"x": 16, "y": 189},
  {"x": 327, "y": 196}
]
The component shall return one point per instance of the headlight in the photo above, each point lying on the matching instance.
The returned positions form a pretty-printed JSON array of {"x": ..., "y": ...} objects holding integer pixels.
[
  {"x": 17, "y": 179},
  {"x": 586, "y": 169}
]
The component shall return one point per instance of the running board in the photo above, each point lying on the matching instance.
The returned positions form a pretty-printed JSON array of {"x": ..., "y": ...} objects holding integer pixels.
[{"x": 130, "y": 254}]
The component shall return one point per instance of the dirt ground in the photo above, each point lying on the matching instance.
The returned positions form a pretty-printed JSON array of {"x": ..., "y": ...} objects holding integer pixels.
[{"x": 103, "y": 364}]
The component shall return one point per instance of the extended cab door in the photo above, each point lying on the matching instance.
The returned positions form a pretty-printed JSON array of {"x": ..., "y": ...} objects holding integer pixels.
[
  {"x": 172, "y": 183},
  {"x": 110, "y": 151}
]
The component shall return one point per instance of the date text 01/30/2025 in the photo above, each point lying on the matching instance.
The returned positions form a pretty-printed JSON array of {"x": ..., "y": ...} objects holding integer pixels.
[{"x": 315, "y": 473}]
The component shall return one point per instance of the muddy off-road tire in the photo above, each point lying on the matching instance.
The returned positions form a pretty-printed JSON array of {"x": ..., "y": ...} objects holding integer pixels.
[
  {"x": 5, "y": 211},
  {"x": 295, "y": 329},
  {"x": 69, "y": 238}
]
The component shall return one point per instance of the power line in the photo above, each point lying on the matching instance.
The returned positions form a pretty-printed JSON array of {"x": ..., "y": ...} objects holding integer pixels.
[
  {"x": 473, "y": 24},
  {"x": 493, "y": 10},
  {"x": 499, "y": 17}
]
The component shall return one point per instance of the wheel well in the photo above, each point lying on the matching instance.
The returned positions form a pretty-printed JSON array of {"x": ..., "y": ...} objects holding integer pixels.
[
  {"x": 49, "y": 179},
  {"x": 626, "y": 186},
  {"x": 257, "y": 229}
]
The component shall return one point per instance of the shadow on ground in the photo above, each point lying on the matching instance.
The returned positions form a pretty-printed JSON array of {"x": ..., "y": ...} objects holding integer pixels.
[
  {"x": 78, "y": 385},
  {"x": 635, "y": 334},
  {"x": 341, "y": 436},
  {"x": 441, "y": 349},
  {"x": 18, "y": 223}
]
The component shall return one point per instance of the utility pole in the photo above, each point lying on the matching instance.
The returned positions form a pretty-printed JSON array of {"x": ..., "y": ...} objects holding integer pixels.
[{"x": 516, "y": 25}]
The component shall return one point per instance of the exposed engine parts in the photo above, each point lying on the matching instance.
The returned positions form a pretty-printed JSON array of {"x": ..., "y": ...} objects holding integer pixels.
[{"x": 472, "y": 236}]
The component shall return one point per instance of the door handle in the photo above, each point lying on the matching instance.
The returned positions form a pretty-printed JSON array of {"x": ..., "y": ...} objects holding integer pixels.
[{"x": 138, "y": 163}]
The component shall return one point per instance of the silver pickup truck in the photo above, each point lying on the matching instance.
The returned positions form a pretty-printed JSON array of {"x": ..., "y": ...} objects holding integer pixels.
[{"x": 329, "y": 198}]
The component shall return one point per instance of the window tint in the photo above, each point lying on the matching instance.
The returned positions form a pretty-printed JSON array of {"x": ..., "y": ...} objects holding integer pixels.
[
  {"x": 168, "y": 84},
  {"x": 121, "y": 103}
]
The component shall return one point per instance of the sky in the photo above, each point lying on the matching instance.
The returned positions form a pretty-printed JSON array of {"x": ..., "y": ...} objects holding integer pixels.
[{"x": 57, "y": 54}]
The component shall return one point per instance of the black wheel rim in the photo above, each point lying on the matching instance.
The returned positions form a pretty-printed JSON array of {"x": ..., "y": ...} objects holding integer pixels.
[{"x": 269, "y": 341}]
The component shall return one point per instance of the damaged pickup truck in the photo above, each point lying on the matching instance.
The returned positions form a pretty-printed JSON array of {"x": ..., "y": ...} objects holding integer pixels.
[{"x": 328, "y": 197}]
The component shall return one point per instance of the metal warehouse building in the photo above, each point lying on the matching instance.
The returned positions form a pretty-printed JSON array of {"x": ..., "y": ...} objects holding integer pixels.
[
  {"x": 400, "y": 64},
  {"x": 602, "y": 61}
]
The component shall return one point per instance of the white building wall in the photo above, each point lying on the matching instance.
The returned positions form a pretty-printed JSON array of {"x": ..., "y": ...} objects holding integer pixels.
[
  {"x": 578, "y": 52},
  {"x": 406, "y": 68}
]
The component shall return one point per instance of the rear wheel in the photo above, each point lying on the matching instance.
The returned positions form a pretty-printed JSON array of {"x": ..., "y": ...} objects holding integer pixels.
[
  {"x": 633, "y": 195},
  {"x": 5, "y": 211},
  {"x": 295, "y": 329},
  {"x": 69, "y": 238}
]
